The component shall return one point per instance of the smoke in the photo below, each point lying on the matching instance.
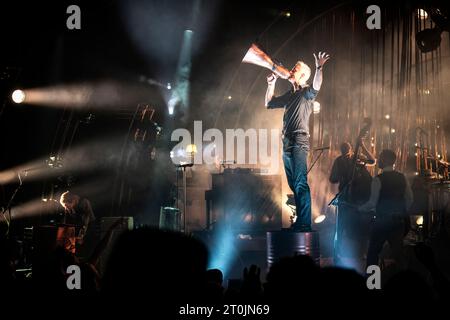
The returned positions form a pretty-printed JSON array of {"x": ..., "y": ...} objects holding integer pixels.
[
  {"x": 157, "y": 27},
  {"x": 98, "y": 95}
]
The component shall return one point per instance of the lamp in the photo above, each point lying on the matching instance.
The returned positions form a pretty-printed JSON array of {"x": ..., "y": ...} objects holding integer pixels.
[{"x": 430, "y": 39}]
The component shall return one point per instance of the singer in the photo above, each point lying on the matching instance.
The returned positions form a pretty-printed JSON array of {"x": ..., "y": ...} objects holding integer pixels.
[{"x": 298, "y": 105}]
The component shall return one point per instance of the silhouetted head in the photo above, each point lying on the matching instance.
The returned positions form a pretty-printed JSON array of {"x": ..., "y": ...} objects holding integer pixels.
[
  {"x": 346, "y": 149},
  {"x": 408, "y": 285},
  {"x": 387, "y": 158},
  {"x": 69, "y": 200},
  {"x": 288, "y": 275},
  {"x": 214, "y": 276},
  {"x": 166, "y": 264},
  {"x": 341, "y": 284}
]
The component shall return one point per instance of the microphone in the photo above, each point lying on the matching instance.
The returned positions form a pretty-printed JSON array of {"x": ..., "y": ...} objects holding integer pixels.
[{"x": 321, "y": 149}]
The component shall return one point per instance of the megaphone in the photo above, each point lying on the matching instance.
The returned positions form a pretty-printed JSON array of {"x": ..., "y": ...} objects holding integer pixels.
[{"x": 255, "y": 55}]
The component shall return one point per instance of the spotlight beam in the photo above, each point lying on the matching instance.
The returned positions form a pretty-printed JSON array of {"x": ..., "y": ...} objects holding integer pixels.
[{"x": 180, "y": 91}]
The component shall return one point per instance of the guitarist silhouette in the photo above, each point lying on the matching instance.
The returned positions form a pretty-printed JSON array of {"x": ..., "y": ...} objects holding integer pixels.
[{"x": 354, "y": 187}]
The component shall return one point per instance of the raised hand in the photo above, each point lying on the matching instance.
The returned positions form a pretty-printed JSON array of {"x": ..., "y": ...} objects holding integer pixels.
[
  {"x": 321, "y": 59},
  {"x": 252, "y": 281}
]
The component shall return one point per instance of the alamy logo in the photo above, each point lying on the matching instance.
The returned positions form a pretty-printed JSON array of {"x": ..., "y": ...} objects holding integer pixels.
[
  {"x": 74, "y": 277},
  {"x": 374, "y": 280},
  {"x": 374, "y": 20},
  {"x": 251, "y": 146},
  {"x": 74, "y": 20}
]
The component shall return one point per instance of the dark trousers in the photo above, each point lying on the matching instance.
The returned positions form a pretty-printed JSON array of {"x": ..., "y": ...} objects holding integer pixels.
[
  {"x": 295, "y": 166},
  {"x": 388, "y": 229}
]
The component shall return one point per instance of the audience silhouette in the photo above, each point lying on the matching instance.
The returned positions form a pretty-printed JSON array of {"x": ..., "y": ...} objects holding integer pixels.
[{"x": 167, "y": 270}]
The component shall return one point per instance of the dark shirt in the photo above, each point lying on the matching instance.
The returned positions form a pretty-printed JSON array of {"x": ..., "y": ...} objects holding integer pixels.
[
  {"x": 392, "y": 193},
  {"x": 81, "y": 216},
  {"x": 341, "y": 172},
  {"x": 298, "y": 106}
]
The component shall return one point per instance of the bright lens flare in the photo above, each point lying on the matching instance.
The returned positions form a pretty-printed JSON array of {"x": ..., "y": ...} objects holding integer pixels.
[
  {"x": 18, "y": 96},
  {"x": 316, "y": 107},
  {"x": 422, "y": 14},
  {"x": 320, "y": 218},
  {"x": 419, "y": 221},
  {"x": 191, "y": 148}
]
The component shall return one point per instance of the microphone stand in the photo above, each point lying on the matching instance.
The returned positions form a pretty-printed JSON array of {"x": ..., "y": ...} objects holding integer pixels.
[
  {"x": 320, "y": 154},
  {"x": 183, "y": 168},
  {"x": 7, "y": 209}
]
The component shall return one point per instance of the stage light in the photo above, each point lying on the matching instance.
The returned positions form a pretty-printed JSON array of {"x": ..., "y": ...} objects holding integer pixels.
[
  {"x": 18, "y": 96},
  {"x": 428, "y": 39},
  {"x": 169, "y": 86},
  {"x": 191, "y": 148},
  {"x": 54, "y": 162},
  {"x": 171, "y": 104},
  {"x": 316, "y": 107},
  {"x": 419, "y": 221},
  {"x": 72, "y": 95},
  {"x": 387, "y": 117},
  {"x": 320, "y": 218},
  {"x": 244, "y": 236},
  {"x": 422, "y": 14},
  {"x": 287, "y": 14}
]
